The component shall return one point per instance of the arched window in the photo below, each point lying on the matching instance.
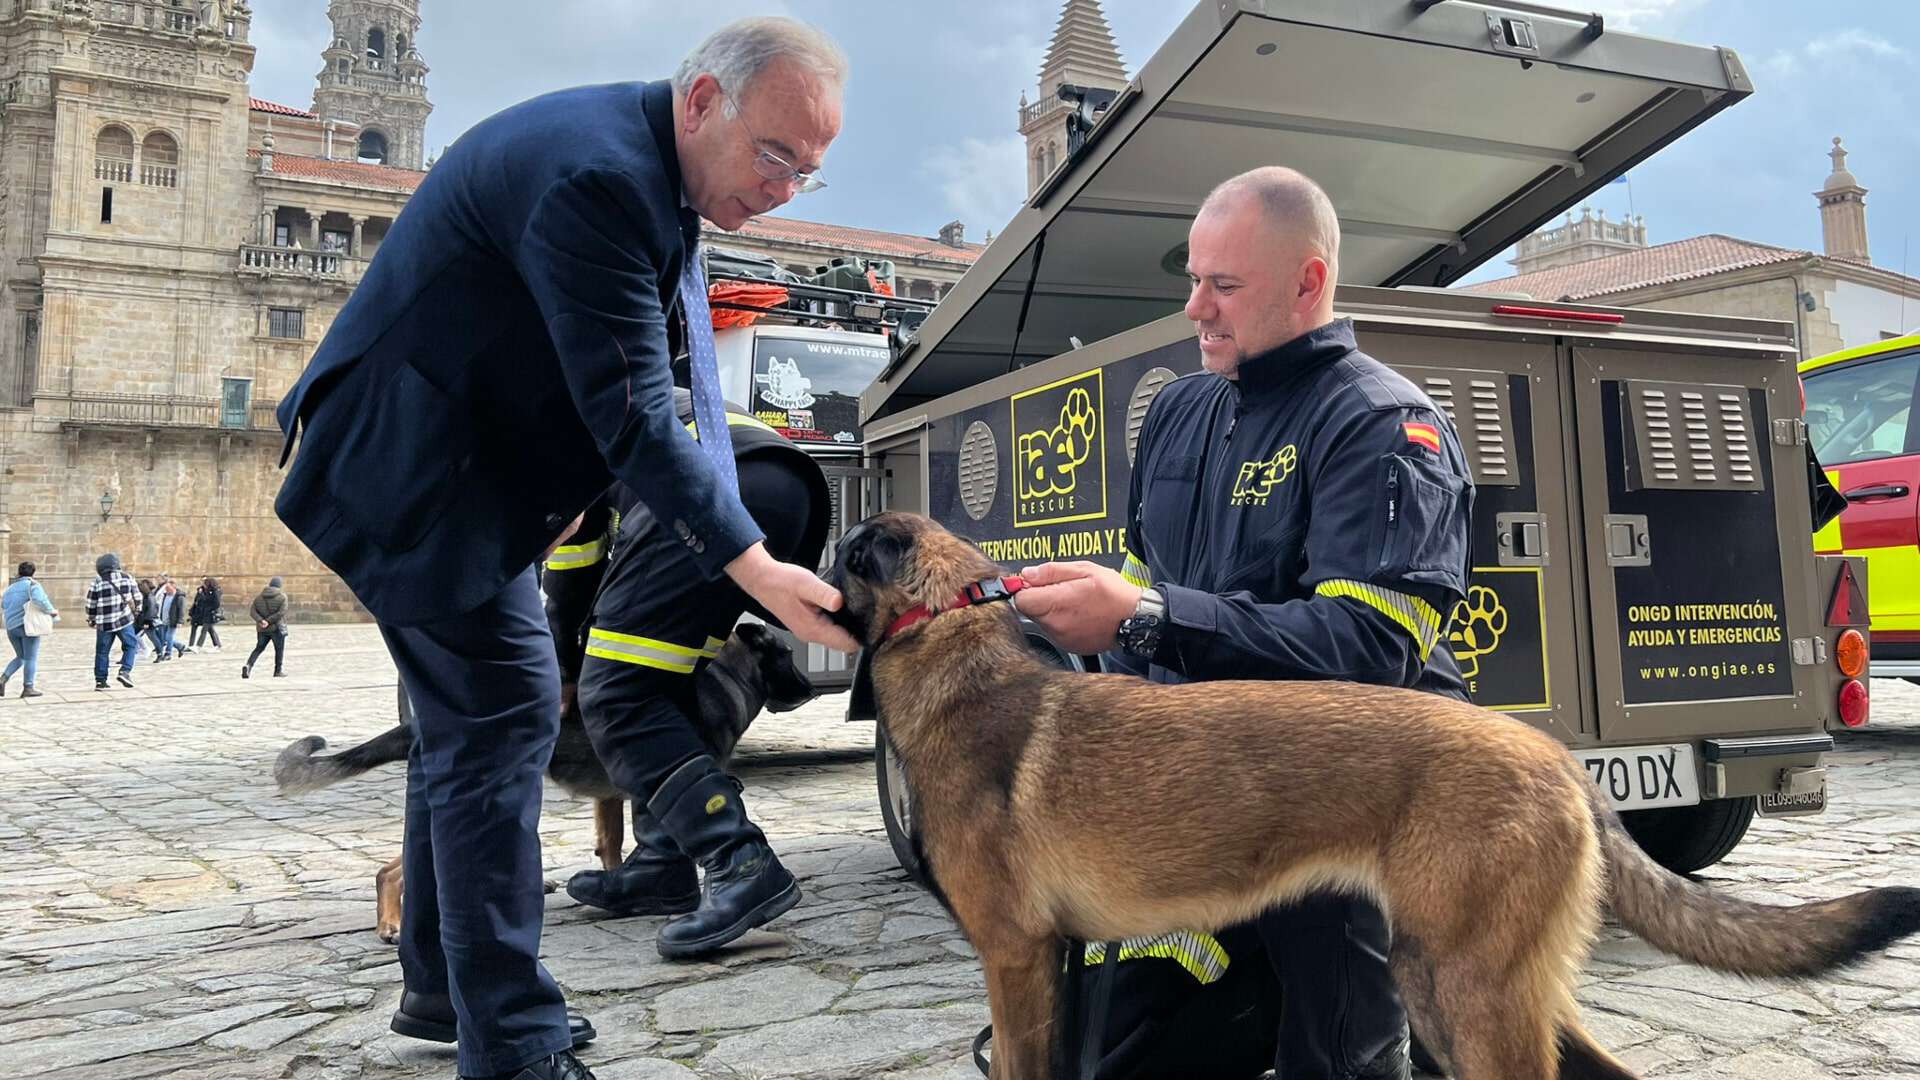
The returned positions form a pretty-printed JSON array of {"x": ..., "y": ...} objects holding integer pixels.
[
  {"x": 376, "y": 47},
  {"x": 373, "y": 148},
  {"x": 160, "y": 160},
  {"x": 113, "y": 154},
  {"x": 399, "y": 46},
  {"x": 1053, "y": 158}
]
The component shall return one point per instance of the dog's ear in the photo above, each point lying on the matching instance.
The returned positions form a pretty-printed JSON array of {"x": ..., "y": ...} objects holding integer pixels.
[
  {"x": 785, "y": 685},
  {"x": 877, "y": 560},
  {"x": 755, "y": 637}
]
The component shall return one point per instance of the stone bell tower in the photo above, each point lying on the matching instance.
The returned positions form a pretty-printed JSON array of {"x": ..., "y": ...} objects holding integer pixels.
[
  {"x": 375, "y": 79},
  {"x": 1082, "y": 54}
]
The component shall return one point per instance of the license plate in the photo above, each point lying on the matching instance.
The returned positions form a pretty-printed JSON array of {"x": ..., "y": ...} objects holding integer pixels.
[
  {"x": 1644, "y": 777},
  {"x": 1775, "y": 804}
]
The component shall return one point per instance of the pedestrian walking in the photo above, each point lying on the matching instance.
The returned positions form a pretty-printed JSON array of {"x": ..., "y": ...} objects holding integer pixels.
[
  {"x": 205, "y": 614},
  {"x": 173, "y": 612},
  {"x": 113, "y": 603},
  {"x": 143, "y": 619},
  {"x": 270, "y": 622},
  {"x": 28, "y": 615}
]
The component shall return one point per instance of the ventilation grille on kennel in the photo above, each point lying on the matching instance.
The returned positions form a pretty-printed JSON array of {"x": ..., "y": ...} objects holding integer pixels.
[
  {"x": 1144, "y": 392},
  {"x": 1691, "y": 436},
  {"x": 979, "y": 470}
]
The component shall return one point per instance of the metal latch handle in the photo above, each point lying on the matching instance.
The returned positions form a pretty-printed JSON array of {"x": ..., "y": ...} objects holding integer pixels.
[
  {"x": 1627, "y": 540},
  {"x": 1522, "y": 539}
]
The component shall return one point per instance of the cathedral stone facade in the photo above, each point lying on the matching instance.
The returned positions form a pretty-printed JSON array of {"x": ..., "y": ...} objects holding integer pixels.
[{"x": 174, "y": 249}]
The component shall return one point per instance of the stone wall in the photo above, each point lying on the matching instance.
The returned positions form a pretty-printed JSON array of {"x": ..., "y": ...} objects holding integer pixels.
[
  {"x": 1765, "y": 299},
  {"x": 182, "y": 508}
]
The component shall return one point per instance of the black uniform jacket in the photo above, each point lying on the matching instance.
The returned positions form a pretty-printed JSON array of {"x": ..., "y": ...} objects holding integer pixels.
[{"x": 1307, "y": 520}]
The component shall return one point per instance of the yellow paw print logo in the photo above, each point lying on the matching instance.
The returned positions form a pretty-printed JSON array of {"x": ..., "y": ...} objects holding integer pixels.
[
  {"x": 1475, "y": 629},
  {"x": 1049, "y": 458},
  {"x": 1257, "y": 479}
]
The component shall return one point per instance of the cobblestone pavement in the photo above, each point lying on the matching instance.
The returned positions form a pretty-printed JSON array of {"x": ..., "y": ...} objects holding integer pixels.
[{"x": 163, "y": 911}]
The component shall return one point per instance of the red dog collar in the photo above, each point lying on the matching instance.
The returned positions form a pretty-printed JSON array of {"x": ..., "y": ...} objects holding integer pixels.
[{"x": 990, "y": 591}]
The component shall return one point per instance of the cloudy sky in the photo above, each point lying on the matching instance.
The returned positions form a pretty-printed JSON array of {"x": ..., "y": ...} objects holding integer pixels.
[{"x": 930, "y": 133}]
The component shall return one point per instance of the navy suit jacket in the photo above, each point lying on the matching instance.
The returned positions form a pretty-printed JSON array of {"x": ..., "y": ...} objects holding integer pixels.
[{"x": 504, "y": 360}]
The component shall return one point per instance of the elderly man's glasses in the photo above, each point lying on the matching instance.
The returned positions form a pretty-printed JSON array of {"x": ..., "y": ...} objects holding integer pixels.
[{"x": 771, "y": 165}]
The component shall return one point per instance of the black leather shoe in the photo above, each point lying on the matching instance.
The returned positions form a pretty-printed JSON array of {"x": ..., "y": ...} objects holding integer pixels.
[
  {"x": 561, "y": 1066},
  {"x": 655, "y": 880},
  {"x": 431, "y": 1017},
  {"x": 745, "y": 886}
]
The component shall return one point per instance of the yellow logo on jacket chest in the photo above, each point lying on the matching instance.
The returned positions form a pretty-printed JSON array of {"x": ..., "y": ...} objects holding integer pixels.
[{"x": 1258, "y": 479}]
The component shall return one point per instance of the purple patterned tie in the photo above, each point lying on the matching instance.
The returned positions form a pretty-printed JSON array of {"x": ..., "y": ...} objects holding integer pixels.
[{"x": 709, "y": 406}]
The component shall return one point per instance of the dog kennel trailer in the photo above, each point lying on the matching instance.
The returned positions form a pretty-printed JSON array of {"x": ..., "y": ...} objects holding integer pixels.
[{"x": 1644, "y": 585}]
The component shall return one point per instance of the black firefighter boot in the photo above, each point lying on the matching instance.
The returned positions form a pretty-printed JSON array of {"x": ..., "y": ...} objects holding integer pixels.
[
  {"x": 745, "y": 885},
  {"x": 657, "y": 879}
]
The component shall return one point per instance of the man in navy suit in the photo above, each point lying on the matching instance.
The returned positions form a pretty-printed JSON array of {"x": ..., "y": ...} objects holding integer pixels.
[{"x": 504, "y": 360}]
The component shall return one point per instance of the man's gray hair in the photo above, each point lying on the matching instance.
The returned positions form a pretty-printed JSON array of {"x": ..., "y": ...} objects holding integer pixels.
[
  {"x": 1292, "y": 203},
  {"x": 738, "y": 52}
]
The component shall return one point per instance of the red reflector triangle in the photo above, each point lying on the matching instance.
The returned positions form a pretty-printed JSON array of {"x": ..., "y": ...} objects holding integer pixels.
[{"x": 1848, "y": 607}]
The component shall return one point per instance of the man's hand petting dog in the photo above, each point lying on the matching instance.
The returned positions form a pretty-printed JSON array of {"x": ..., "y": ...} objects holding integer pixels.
[
  {"x": 1079, "y": 604},
  {"x": 799, "y": 599}
]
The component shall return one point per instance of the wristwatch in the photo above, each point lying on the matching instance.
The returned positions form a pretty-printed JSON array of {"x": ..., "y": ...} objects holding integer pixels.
[{"x": 1140, "y": 631}]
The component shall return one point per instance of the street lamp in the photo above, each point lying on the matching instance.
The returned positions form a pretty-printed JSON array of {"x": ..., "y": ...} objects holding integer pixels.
[{"x": 106, "y": 504}]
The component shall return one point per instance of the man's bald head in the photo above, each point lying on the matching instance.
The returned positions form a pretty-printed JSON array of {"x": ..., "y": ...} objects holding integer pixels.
[
  {"x": 1263, "y": 257},
  {"x": 1293, "y": 206}
]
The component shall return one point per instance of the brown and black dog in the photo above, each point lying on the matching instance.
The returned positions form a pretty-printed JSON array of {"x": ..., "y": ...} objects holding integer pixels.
[
  {"x": 753, "y": 670},
  {"x": 1100, "y": 807}
]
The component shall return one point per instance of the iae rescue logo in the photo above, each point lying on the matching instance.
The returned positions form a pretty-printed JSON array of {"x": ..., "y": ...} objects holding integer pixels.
[
  {"x": 1258, "y": 479},
  {"x": 1060, "y": 458}
]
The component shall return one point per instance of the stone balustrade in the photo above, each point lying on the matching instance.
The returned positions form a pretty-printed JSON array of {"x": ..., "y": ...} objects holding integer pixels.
[{"x": 329, "y": 265}]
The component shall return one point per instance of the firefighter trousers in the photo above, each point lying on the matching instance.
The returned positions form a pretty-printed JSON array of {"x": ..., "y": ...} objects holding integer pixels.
[{"x": 658, "y": 620}]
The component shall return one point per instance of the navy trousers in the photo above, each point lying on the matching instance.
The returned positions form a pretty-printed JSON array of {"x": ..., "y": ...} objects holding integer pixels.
[
  {"x": 485, "y": 689},
  {"x": 1307, "y": 992}
]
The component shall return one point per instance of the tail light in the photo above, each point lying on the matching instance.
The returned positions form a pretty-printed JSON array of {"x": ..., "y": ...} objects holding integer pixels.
[
  {"x": 1850, "y": 653},
  {"x": 1853, "y": 703}
]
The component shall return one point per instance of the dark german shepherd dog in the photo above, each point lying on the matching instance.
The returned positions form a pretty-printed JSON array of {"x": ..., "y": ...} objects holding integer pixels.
[
  {"x": 1100, "y": 807},
  {"x": 754, "y": 670}
]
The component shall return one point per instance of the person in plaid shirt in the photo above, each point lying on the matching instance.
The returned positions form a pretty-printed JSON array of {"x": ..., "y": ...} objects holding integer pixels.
[{"x": 112, "y": 601}]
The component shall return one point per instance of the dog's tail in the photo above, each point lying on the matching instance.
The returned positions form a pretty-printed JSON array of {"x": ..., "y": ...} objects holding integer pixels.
[
  {"x": 297, "y": 771},
  {"x": 1716, "y": 931},
  {"x": 1583, "y": 1059}
]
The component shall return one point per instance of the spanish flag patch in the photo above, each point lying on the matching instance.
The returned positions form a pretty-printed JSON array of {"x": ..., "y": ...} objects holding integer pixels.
[{"x": 1423, "y": 435}]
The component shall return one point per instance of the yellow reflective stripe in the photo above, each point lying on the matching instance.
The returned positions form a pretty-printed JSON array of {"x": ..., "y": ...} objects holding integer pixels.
[
  {"x": 575, "y": 556},
  {"x": 1199, "y": 953},
  {"x": 1414, "y": 615},
  {"x": 1136, "y": 573},
  {"x": 647, "y": 652},
  {"x": 712, "y": 648},
  {"x": 669, "y": 647},
  {"x": 733, "y": 420}
]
